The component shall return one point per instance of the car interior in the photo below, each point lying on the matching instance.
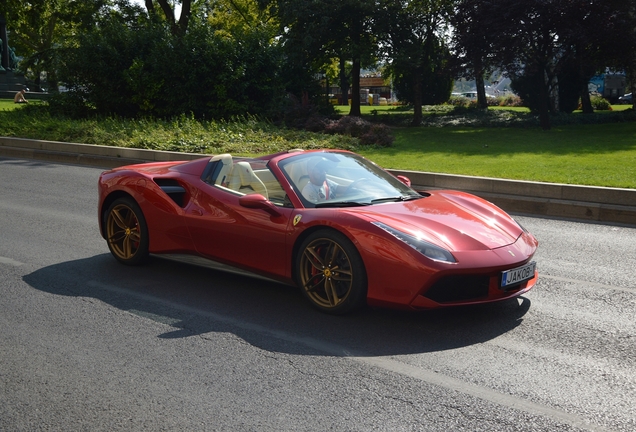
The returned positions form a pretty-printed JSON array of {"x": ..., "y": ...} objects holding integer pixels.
[{"x": 238, "y": 176}]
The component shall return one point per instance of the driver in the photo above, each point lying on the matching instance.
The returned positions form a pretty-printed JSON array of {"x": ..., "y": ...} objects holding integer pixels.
[{"x": 319, "y": 188}]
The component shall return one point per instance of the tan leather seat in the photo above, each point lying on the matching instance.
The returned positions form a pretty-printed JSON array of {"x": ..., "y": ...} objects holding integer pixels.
[
  {"x": 223, "y": 179},
  {"x": 245, "y": 181}
]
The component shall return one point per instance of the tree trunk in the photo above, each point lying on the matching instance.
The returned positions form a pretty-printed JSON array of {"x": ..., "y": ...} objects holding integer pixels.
[
  {"x": 344, "y": 82},
  {"x": 355, "y": 89},
  {"x": 552, "y": 86},
  {"x": 4, "y": 46},
  {"x": 586, "y": 103},
  {"x": 585, "y": 73},
  {"x": 631, "y": 76},
  {"x": 482, "y": 102},
  {"x": 417, "y": 98},
  {"x": 544, "y": 104},
  {"x": 177, "y": 28}
]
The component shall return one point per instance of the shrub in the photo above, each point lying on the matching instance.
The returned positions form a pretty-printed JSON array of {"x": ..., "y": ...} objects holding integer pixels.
[
  {"x": 368, "y": 133},
  {"x": 510, "y": 100},
  {"x": 300, "y": 116},
  {"x": 138, "y": 69},
  {"x": 348, "y": 125},
  {"x": 459, "y": 101},
  {"x": 378, "y": 134},
  {"x": 315, "y": 123},
  {"x": 492, "y": 101},
  {"x": 600, "y": 103}
]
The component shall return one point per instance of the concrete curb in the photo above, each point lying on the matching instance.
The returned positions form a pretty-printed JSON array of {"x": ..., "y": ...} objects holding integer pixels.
[{"x": 587, "y": 203}]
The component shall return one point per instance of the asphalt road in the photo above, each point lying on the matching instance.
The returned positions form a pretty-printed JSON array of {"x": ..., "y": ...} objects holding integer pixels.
[{"x": 88, "y": 344}]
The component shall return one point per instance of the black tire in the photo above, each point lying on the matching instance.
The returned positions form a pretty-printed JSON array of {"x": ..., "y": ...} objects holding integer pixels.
[
  {"x": 126, "y": 232},
  {"x": 330, "y": 272}
]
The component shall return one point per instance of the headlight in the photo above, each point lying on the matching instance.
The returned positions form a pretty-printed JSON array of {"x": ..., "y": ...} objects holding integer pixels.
[{"x": 427, "y": 249}]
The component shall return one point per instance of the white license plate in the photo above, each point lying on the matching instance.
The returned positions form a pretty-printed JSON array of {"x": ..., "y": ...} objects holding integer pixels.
[{"x": 518, "y": 275}]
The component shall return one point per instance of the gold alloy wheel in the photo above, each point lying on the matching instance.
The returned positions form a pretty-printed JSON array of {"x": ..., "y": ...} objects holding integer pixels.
[
  {"x": 123, "y": 232},
  {"x": 326, "y": 273}
]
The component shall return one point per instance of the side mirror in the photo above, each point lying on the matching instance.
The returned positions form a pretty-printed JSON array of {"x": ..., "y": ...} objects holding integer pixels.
[
  {"x": 405, "y": 180},
  {"x": 258, "y": 201}
]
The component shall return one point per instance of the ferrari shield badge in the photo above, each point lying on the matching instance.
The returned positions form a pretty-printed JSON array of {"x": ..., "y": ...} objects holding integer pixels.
[{"x": 297, "y": 219}]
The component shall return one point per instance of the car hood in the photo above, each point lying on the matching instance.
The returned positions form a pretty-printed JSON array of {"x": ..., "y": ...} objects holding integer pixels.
[{"x": 455, "y": 220}]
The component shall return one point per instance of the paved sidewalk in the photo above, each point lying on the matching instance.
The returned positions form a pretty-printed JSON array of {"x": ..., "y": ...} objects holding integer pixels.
[{"x": 586, "y": 203}]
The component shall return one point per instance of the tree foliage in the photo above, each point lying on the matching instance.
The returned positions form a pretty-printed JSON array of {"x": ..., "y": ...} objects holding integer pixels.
[
  {"x": 413, "y": 37},
  {"x": 177, "y": 27},
  {"x": 237, "y": 16},
  {"x": 220, "y": 58},
  {"x": 432, "y": 78},
  {"x": 37, "y": 28},
  {"x": 130, "y": 66},
  {"x": 316, "y": 31},
  {"x": 473, "y": 43},
  {"x": 620, "y": 19},
  {"x": 550, "y": 48}
]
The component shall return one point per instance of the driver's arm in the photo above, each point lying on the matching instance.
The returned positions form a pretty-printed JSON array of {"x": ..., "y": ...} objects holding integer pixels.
[{"x": 334, "y": 188}]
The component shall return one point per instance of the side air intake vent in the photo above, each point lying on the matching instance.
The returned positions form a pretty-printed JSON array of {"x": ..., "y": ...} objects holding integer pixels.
[{"x": 174, "y": 190}]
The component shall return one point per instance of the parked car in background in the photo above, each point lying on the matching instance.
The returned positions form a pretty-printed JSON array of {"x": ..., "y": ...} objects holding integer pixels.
[{"x": 626, "y": 99}]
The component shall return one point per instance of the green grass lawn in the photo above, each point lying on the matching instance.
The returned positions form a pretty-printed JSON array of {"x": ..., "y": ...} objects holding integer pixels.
[
  {"x": 368, "y": 109},
  {"x": 588, "y": 154},
  {"x": 601, "y": 155},
  {"x": 385, "y": 109},
  {"x": 8, "y": 104}
]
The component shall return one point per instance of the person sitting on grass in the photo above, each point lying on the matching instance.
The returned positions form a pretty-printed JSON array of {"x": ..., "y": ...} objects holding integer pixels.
[{"x": 19, "y": 97}]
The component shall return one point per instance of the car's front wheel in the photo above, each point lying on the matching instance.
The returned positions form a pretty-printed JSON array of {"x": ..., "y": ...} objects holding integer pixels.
[
  {"x": 330, "y": 272},
  {"x": 127, "y": 232}
]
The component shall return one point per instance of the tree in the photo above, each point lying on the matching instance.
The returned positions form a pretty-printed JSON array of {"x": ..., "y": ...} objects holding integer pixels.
[
  {"x": 549, "y": 48},
  {"x": 130, "y": 65},
  {"x": 413, "y": 37},
  {"x": 434, "y": 81},
  {"x": 526, "y": 44},
  {"x": 589, "y": 51},
  {"x": 38, "y": 28},
  {"x": 472, "y": 43},
  {"x": 232, "y": 16},
  {"x": 620, "y": 23},
  {"x": 177, "y": 27},
  {"x": 326, "y": 29}
]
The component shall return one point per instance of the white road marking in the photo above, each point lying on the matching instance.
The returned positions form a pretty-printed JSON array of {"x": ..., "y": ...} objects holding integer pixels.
[
  {"x": 9, "y": 261},
  {"x": 593, "y": 284}
]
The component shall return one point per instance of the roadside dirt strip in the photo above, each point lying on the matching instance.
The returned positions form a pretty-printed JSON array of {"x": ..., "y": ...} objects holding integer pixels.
[{"x": 586, "y": 203}]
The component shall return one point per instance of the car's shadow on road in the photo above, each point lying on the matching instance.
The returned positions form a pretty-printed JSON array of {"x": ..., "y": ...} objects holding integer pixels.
[{"x": 193, "y": 300}]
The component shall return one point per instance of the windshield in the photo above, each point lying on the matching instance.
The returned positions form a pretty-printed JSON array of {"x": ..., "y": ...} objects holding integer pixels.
[{"x": 342, "y": 179}]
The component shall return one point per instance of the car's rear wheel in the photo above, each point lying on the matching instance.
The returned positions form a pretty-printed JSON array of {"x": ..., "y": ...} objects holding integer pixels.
[
  {"x": 127, "y": 232},
  {"x": 330, "y": 272}
]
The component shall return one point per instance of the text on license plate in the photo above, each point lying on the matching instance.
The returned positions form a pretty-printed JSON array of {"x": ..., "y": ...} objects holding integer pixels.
[{"x": 518, "y": 275}]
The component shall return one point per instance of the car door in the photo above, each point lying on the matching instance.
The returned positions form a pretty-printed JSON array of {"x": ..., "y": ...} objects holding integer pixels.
[{"x": 249, "y": 238}]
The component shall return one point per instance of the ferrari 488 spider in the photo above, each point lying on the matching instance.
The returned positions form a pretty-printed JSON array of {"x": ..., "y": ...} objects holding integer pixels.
[{"x": 342, "y": 229}]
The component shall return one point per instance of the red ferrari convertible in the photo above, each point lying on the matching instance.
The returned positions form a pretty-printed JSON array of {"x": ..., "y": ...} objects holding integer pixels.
[{"x": 342, "y": 229}]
